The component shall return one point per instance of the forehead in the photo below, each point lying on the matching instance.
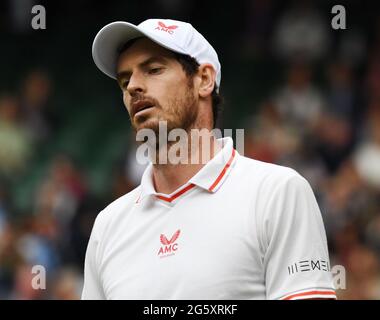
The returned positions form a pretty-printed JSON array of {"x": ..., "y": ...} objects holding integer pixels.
[{"x": 141, "y": 50}]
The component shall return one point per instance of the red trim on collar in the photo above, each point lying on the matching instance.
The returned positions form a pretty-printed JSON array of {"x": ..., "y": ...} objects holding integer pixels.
[
  {"x": 192, "y": 185},
  {"x": 177, "y": 194},
  {"x": 221, "y": 175}
]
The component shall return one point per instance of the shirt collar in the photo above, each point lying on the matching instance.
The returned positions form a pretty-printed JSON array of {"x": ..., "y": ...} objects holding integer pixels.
[
  {"x": 147, "y": 187},
  {"x": 215, "y": 172},
  {"x": 210, "y": 177}
]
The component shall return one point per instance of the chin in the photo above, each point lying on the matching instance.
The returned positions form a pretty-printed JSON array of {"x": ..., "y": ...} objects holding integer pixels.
[
  {"x": 152, "y": 123},
  {"x": 147, "y": 124}
]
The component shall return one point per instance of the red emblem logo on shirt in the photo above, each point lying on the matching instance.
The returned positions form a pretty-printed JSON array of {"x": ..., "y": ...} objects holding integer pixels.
[
  {"x": 162, "y": 27},
  {"x": 169, "y": 247}
]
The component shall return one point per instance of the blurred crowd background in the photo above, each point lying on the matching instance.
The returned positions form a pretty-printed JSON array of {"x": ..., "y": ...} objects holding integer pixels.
[{"x": 308, "y": 97}]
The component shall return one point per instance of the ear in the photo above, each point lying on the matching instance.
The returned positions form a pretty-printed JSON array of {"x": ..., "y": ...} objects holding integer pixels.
[{"x": 206, "y": 74}]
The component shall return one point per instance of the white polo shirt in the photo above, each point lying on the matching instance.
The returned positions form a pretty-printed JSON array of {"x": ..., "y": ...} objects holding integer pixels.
[{"x": 239, "y": 229}]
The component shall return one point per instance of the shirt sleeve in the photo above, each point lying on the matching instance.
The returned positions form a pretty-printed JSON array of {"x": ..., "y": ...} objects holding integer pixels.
[
  {"x": 296, "y": 259},
  {"x": 92, "y": 288}
]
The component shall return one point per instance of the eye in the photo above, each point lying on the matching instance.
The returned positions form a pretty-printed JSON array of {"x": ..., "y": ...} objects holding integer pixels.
[
  {"x": 124, "y": 84},
  {"x": 155, "y": 70}
]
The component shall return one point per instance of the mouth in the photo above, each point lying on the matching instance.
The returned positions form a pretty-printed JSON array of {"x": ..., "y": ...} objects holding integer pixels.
[{"x": 141, "y": 106}]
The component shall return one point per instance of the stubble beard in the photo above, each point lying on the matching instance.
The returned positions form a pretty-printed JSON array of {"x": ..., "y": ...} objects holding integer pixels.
[{"x": 181, "y": 113}]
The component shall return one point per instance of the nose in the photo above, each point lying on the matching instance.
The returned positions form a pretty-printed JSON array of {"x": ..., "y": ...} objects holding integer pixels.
[{"x": 136, "y": 84}]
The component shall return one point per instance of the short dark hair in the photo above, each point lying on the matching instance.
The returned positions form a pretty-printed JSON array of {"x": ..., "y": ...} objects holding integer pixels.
[{"x": 190, "y": 66}]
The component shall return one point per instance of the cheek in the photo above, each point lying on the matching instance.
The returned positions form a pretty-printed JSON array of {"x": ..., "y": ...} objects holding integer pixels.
[
  {"x": 169, "y": 91},
  {"x": 126, "y": 100}
]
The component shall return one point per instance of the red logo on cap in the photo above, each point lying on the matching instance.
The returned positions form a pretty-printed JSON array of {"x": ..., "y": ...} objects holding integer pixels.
[
  {"x": 169, "y": 246},
  {"x": 162, "y": 27}
]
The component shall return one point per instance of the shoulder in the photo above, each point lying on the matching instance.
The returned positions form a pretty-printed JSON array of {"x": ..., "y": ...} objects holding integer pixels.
[
  {"x": 115, "y": 210},
  {"x": 123, "y": 202},
  {"x": 273, "y": 188},
  {"x": 264, "y": 174}
]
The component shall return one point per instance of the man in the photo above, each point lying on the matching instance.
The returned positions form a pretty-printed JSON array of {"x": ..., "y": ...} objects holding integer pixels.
[{"x": 225, "y": 228}]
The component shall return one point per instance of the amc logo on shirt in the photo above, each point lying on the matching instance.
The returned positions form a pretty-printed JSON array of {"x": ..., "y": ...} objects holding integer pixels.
[{"x": 169, "y": 247}]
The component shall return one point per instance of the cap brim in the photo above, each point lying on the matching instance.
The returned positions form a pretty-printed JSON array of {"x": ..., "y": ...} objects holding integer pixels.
[
  {"x": 110, "y": 39},
  {"x": 107, "y": 43}
]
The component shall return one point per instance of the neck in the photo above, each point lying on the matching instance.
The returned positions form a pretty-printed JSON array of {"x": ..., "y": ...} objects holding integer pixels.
[{"x": 169, "y": 177}]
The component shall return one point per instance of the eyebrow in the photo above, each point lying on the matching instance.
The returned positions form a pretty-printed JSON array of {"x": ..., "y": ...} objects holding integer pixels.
[{"x": 127, "y": 73}]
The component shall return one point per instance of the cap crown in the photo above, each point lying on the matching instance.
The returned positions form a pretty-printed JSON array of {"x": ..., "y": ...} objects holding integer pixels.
[{"x": 183, "y": 38}]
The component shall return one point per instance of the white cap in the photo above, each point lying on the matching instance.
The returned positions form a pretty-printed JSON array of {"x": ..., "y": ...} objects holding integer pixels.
[{"x": 174, "y": 35}]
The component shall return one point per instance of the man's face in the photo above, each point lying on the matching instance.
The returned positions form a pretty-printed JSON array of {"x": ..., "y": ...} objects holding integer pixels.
[{"x": 155, "y": 87}]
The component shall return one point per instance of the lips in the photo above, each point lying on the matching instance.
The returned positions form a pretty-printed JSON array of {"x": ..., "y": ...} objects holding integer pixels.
[{"x": 141, "y": 105}]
